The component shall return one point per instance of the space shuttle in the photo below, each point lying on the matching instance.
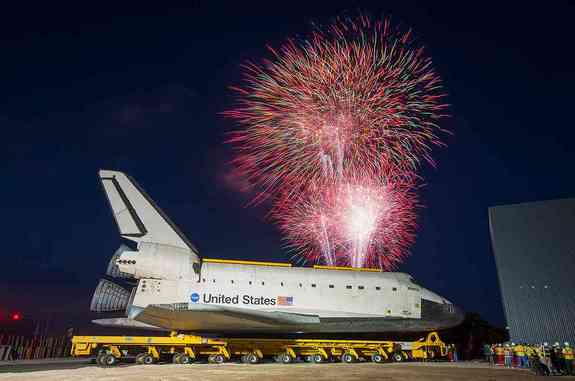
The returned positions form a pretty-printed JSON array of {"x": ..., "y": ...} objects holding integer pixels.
[{"x": 162, "y": 283}]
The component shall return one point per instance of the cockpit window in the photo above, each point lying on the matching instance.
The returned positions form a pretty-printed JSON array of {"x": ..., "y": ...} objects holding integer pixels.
[{"x": 413, "y": 281}]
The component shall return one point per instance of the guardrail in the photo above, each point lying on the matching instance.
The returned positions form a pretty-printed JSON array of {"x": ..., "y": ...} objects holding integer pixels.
[{"x": 33, "y": 347}]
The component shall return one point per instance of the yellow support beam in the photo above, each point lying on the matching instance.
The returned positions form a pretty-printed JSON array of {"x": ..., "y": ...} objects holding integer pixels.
[
  {"x": 323, "y": 353},
  {"x": 318, "y": 267},
  {"x": 190, "y": 352},
  {"x": 115, "y": 351},
  {"x": 291, "y": 352},
  {"x": 147, "y": 340},
  {"x": 353, "y": 353},
  {"x": 240, "y": 262},
  {"x": 153, "y": 351}
]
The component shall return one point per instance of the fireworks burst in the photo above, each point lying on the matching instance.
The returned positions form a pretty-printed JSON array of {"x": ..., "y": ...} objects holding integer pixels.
[
  {"x": 357, "y": 96},
  {"x": 361, "y": 223},
  {"x": 334, "y": 130}
]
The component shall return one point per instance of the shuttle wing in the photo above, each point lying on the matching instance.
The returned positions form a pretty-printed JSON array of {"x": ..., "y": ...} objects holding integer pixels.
[
  {"x": 202, "y": 317},
  {"x": 139, "y": 219}
]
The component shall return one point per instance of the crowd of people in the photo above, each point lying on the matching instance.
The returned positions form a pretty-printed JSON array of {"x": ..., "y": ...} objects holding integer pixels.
[{"x": 543, "y": 358}]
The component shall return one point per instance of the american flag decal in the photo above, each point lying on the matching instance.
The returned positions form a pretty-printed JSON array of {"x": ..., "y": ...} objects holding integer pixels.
[{"x": 285, "y": 300}]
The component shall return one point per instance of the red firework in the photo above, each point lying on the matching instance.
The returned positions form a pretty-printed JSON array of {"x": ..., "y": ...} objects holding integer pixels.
[
  {"x": 358, "y": 96},
  {"x": 358, "y": 223},
  {"x": 334, "y": 129}
]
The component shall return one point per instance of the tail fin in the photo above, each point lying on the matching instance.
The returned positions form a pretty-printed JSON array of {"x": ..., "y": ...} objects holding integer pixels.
[{"x": 139, "y": 219}]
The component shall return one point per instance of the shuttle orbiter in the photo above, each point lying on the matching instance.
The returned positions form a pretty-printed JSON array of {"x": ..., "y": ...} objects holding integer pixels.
[{"x": 178, "y": 290}]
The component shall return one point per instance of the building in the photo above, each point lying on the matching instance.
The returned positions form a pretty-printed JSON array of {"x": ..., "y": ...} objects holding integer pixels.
[{"x": 534, "y": 248}]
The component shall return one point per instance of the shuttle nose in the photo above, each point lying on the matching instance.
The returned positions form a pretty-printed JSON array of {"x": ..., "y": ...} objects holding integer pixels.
[
  {"x": 452, "y": 314},
  {"x": 458, "y": 315},
  {"x": 443, "y": 315}
]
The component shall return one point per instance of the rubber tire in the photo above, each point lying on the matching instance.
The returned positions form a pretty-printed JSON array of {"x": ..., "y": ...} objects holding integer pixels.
[
  {"x": 109, "y": 360},
  {"x": 244, "y": 359},
  {"x": 148, "y": 360},
  {"x": 140, "y": 357},
  {"x": 397, "y": 357},
  {"x": 377, "y": 358},
  {"x": 218, "y": 359},
  {"x": 318, "y": 359},
  {"x": 308, "y": 358},
  {"x": 251, "y": 358},
  {"x": 185, "y": 359},
  {"x": 176, "y": 358},
  {"x": 286, "y": 358},
  {"x": 100, "y": 357},
  {"x": 347, "y": 358}
]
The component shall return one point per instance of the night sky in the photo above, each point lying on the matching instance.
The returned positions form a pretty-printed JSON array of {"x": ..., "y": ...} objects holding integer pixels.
[{"x": 141, "y": 89}]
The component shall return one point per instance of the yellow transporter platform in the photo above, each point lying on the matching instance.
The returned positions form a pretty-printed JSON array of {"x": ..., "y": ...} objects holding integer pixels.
[{"x": 183, "y": 349}]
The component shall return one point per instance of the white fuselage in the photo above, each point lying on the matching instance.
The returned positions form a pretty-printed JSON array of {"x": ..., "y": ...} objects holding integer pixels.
[
  {"x": 321, "y": 292},
  {"x": 177, "y": 290}
]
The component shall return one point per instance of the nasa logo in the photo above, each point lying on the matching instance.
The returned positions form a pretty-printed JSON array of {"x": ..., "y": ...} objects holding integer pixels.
[{"x": 195, "y": 297}]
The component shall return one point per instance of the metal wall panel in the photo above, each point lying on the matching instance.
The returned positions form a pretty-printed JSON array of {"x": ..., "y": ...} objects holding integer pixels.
[{"x": 534, "y": 248}]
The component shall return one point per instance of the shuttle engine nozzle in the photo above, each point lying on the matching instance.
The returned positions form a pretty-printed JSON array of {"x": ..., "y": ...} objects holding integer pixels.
[{"x": 109, "y": 297}]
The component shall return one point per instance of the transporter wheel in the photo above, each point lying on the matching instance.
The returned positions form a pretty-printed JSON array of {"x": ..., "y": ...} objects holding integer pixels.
[
  {"x": 147, "y": 359},
  {"x": 218, "y": 359},
  {"x": 250, "y": 358},
  {"x": 176, "y": 358},
  {"x": 286, "y": 358},
  {"x": 376, "y": 357},
  {"x": 318, "y": 358},
  {"x": 397, "y": 357},
  {"x": 185, "y": 359},
  {"x": 347, "y": 358},
  {"x": 308, "y": 358},
  {"x": 140, "y": 358},
  {"x": 109, "y": 360},
  {"x": 100, "y": 358}
]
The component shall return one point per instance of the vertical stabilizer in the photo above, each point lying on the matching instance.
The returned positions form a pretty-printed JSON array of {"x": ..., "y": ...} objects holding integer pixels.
[{"x": 139, "y": 219}]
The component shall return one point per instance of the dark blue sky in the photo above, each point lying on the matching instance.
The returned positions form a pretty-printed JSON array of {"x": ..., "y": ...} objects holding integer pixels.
[{"x": 140, "y": 89}]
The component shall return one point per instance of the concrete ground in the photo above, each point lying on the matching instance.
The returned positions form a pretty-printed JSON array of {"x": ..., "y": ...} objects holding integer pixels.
[
  {"x": 467, "y": 371},
  {"x": 17, "y": 366}
]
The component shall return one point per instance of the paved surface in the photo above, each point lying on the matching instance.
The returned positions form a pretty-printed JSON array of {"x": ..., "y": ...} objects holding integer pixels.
[
  {"x": 467, "y": 371},
  {"x": 45, "y": 364}
]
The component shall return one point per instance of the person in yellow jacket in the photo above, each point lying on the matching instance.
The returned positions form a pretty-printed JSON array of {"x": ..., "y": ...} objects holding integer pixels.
[
  {"x": 519, "y": 354},
  {"x": 568, "y": 358},
  {"x": 538, "y": 362},
  {"x": 534, "y": 351}
]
